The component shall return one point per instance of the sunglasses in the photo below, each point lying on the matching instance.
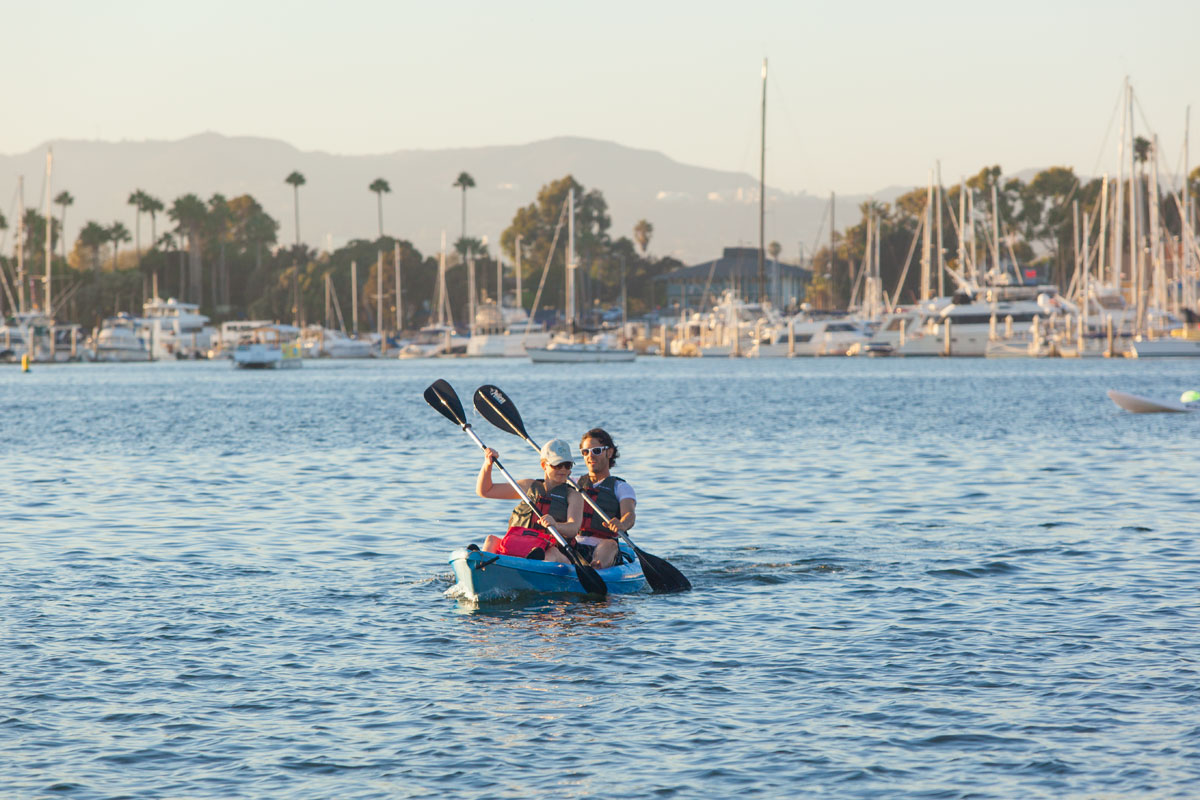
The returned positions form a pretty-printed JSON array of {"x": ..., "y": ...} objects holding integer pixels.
[
  {"x": 564, "y": 465},
  {"x": 593, "y": 450}
]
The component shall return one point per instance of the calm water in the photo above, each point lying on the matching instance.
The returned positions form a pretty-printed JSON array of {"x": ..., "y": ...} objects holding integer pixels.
[{"x": 931, "y": 579}]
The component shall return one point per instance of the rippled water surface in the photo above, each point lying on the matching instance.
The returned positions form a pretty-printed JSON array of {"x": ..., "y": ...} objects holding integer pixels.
[{"x": 938, "y": 579}]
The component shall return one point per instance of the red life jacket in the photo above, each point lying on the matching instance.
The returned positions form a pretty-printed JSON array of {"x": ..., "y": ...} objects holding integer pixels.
[
  {"x": 524, "y": 530},
  {"x": 604, "y": 495}
]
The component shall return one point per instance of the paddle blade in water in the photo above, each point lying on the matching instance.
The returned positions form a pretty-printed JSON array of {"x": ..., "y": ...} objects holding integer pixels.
[
  {"x": 494, "y": 406},
  {"x": 591, "y": 580},
  {"x": 444, "y": 399},
  {"x": 661, "y": 574}
]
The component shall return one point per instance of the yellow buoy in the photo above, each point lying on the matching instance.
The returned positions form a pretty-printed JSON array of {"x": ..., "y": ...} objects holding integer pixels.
[{"x": 25, "y": 361}]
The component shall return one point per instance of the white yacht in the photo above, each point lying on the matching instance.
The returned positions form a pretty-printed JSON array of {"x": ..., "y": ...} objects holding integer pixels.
[
  {"x": 435, "y": 340},
  {"x": 965, "y": 324},
  {"x": 810, "y": 337},
  {"x": 321, "y": 342},
  {"x": 231, "y": 333},
  {"x": 39, "y": 336},
  {"x": 118, "y": 340},
  {"x": 172, "y": 329},
  {"x": 504, "y": 332},
  {"x": 268, "y": 347},
  {"x": 600, "y": 349},
  {"x": 1173, "y": 346},
  {"x": 730, "y": 328}
]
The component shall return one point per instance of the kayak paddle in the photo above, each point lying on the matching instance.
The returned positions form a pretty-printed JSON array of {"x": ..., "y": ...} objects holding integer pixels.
[
  {"x": 496, "y": 407},
  {"x": 442, "y": 397}
]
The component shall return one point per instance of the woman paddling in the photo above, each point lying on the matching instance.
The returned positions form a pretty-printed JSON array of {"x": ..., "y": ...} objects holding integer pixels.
[
  {"x": 597, "y": 539},
  {"x": 557, "y": 504}
]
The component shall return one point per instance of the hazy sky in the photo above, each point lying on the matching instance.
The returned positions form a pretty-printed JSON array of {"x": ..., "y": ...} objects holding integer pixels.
[{"x": 861, "y": 95}]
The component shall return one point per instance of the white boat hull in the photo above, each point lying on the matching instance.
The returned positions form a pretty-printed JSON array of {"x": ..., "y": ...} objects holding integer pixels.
[
  {"x": 1166, "y": 348},
  {"x": 583, "y": 355},
  {"x": 1136, "y": 404},
  {"x": 510, "y": 345}
]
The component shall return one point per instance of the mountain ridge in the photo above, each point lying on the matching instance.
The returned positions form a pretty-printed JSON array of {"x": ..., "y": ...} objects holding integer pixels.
[{"x": 696, "y": 211}]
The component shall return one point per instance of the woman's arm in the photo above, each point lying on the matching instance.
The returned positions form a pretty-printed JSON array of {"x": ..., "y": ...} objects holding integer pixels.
[{"x": 484, "y": 487}]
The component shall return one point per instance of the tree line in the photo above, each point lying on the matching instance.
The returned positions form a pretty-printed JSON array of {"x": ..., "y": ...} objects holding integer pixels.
[{"x": 224, "y": 254}]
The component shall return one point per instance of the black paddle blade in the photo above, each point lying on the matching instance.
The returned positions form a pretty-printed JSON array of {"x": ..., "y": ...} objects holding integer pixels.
[
  {"x": 661, "y": 574},
  {"x": 591, "y": 580},
  {"x": 442, "y": 397},
  {"x": 494, "y": 406}
]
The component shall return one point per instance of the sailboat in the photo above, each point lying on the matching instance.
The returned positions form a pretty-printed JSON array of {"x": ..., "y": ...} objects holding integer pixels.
[{"x": 566, "y": 349}]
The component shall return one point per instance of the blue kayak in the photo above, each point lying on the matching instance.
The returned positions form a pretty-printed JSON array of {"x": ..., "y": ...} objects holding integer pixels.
[{"x": 489, "y": 576}]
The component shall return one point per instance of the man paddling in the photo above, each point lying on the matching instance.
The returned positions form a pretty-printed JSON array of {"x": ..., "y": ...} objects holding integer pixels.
[{"x": 597, "y": 540}]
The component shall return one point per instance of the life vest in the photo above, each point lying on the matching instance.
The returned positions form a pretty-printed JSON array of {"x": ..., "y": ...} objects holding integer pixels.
[
  {"x": 553, "y": 503},
  {"x": 604, "y": 495}
]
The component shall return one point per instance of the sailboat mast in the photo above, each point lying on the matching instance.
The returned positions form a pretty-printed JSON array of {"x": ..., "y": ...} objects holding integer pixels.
[
  {"x": 354, "y": 296},
  {"x": 962, "y": 227},
  {"x": 832, "y": 230},
  {"x": 21, "y": 243},
  {"x": 400, "y": 294},
  {"x": 517, "y": 251},
  {"x": 1118, "y": 244},
  {"x": 926, "y": 285},
  {"x": 49, "y": 307},
  {"x": 762, "y": 189},
  {"x": 1185, "y": 238},
  {"x": 941, "y": 271},
  {"x": 1103, "y": 234},
  {"x": 570, "y": 308},
  {"x": 1135, "y": 214},
  {"x": 995, "y": 229}
]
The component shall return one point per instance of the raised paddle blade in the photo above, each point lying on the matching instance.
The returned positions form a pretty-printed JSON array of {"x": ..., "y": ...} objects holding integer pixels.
[
  {"x": 494, "y": 406},
  {"x": 444, "y": 399}
]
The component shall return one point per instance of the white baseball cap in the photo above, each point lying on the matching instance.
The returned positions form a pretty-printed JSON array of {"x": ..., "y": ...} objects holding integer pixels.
[{"x": 557, "y": 451}]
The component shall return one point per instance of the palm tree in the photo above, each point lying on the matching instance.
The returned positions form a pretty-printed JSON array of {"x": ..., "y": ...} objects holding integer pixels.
[
  {"x": 152, "y": 206},
  {"x": 189, "y": 213},
  {"x": 64, "y": 199},
  {"x": 642, "y": 233},
  {"x": 93, "y": 236},
  {"x": 117, "y": 233},
  {"x": 296, "y": 180},
  {"x": 379, "y": 186},
  {"x": 464, "y": 181},
  {"x": 137, "y": 199}
]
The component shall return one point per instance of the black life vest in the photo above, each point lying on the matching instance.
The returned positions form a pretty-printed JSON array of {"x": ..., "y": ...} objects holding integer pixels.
[
  {"x": 604, "y": 495},
  {"x": 553, "y": 503}
]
